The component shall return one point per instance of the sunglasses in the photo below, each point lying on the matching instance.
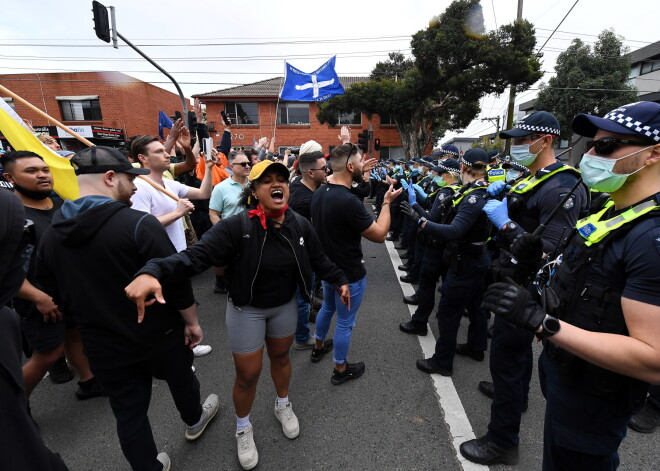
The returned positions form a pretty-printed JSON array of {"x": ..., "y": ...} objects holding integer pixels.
[
  {"x": 606, "y": 145},
  {"x": 324, "y": 168},
  {"x": 242, "y": 164}
]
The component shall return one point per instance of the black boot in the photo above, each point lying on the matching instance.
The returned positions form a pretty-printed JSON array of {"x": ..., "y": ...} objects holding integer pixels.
[{"x": 485, "y": 451}]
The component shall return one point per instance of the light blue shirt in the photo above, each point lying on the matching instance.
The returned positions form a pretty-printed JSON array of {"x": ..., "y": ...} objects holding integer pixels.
[{"x": 225, "y": 198}]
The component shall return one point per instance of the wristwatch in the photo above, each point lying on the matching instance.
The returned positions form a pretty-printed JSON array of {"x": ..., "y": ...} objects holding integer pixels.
[
  {"x": 551, "y": 326},
  {"x": 421, "y": 221},
  {"x": 510, "y": 227}
]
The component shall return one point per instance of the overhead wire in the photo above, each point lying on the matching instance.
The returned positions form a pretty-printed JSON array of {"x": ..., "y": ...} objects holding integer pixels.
[{"x": 555, "y": 30}]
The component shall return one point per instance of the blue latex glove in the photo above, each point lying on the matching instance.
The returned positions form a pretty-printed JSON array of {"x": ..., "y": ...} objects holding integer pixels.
[
  {"x": 404, "y": 184},
  {"x": 497, "y": 212},
  {"x": 497, "y": 188},
  {"x": 383, "y": 173},
  {"x": 412, "y": 197},
  {"x": 420, "y": 192}
]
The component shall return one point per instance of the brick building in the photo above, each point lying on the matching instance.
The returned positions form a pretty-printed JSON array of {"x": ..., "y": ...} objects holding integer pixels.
[
  {"x": 255, "y": 110},
  {"x": 104, "y": 107}
]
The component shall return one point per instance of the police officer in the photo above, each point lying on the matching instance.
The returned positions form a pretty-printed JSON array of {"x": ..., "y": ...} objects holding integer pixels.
[
  {"x": 495, "y": 172},
  {"x": 432, "y": 266},
  {"x": 466, "y": 232},
  {"x": 529, "y": 204},
  {"x": 448, "y": 151},
  {"x": 601, "y": 317}
]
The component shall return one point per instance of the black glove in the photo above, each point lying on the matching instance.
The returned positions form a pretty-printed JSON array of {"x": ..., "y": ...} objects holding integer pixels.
[
  {"x": 527, "y": 248},
  {"x": 408, "y": 210},
  {"x": 513, "y": 303}
]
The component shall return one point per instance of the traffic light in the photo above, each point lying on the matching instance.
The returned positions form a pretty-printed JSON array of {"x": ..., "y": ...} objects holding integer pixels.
[
  {"x": 363, "y": 141},
  {"x": 101, "y": 22},
  {"x": 376, "y": 144}
]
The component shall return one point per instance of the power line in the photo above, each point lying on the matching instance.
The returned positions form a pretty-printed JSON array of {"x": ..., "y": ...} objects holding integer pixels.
[
  {"x": 562, "y": 20},
  {"x": 492, "y": 2}
]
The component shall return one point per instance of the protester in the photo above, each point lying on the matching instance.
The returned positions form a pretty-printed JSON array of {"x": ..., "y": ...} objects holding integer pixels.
[
  {"x": 341, "y": 220},
  {"x": 270, "y": 251},
  {"x": 49, "y": 141},
  {"x": 21, "y": 447},
  {"x": 226, "y": 201},
  {"x": 49, "y": 332},
  {"x": 108, "y": 242}
]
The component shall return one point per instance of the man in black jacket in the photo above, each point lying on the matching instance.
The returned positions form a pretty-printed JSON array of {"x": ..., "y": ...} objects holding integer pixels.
[{"x": 107, "y": 242}]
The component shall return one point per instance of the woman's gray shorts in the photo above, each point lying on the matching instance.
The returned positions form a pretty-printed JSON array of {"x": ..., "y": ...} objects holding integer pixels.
[{"x": 248, "y": 326}]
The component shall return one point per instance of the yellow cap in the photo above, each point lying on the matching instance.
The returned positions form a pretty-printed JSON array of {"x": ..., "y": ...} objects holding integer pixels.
[{"x": 261, "y": 167}]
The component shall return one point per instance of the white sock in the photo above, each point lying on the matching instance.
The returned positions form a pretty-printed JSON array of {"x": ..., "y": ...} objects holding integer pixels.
[
  {"x": 282, "y": 400},
  {"x": 242, "y": 422}
]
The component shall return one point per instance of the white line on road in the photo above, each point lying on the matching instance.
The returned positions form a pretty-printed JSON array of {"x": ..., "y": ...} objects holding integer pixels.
[{"x": 448, "y": 400}]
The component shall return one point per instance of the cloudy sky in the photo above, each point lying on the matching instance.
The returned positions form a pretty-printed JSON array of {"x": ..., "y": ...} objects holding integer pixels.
[{"x": 217, "y": 44}]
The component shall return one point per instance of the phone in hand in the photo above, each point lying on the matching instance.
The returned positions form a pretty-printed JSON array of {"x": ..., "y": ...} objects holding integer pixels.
[
  {"x": 225, "y": 118},
  {"x": 207, "y": 147}
]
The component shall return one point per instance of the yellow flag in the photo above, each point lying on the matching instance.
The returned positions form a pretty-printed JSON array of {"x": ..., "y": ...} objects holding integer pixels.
[{"x": 65, "y": 181}]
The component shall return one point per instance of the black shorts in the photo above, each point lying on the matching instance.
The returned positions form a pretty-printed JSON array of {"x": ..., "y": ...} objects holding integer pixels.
[{"x": 42, "y": 336}]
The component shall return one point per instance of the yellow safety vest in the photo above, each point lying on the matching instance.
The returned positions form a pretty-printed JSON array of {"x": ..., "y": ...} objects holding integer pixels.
[
  {"x": 529, "y": 183},
  {"x": 593, "y": 230}
]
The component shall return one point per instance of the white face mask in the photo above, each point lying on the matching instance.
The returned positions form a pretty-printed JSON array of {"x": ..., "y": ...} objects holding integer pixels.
[{"x": 598, "y": 172}]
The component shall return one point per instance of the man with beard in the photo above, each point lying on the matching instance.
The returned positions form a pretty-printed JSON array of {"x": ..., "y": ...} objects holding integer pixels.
[
  {"x": 341, "y": 220},
  {"x": 41, "y": 320},
  {"x": 107, "y": 242}
]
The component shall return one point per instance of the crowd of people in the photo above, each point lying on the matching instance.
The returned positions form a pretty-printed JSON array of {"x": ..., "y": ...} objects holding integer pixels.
[{"x": 569, "y": 256}]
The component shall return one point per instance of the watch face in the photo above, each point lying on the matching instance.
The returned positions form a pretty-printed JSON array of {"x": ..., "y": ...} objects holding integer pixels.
[{"x": 551, "y": 325}]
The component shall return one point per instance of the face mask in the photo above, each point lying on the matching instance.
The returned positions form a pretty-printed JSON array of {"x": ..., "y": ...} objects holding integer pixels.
[
  {"x": 32, "y": 194},
  {"x": 512, "y": 175},
  {"x": 521, "y": 154},
  {"x": 597, "y": 172},
  {"x": 415, "y": 171},
  {"x": 397, "y": 169},
  {"x": 439, "y": 181}
]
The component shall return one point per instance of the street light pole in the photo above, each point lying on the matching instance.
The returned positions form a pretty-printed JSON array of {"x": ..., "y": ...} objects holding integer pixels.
[{"x": 512, "y": 93}]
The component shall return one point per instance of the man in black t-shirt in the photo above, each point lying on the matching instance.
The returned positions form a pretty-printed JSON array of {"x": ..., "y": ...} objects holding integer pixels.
[
  {"x": 340, "y": 220},
  {"x": 313, "y": 170},
  {"x": 41, "y": 321}
]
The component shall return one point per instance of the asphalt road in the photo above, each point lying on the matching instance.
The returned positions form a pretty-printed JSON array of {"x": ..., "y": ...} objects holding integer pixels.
[{"x": 393, "y": 418}]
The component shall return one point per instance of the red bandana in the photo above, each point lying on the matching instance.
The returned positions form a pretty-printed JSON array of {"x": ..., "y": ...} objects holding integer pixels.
[{"x": 262, "y": 215}]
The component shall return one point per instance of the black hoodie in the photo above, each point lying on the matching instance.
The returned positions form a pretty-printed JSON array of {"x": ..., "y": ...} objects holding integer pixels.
[
  {"x": 86, "y": 259},
  {"x": 21, "y": 446}
]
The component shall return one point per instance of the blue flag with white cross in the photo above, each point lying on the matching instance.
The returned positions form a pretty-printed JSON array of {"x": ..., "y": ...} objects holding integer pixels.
[{"x": 319, "y": 85}]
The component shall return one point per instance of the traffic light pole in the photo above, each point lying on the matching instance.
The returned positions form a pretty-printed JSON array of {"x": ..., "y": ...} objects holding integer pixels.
[{"x": 178, "y": 88}]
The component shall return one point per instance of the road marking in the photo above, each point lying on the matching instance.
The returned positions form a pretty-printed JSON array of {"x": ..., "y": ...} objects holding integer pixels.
[{"x": 448, "y": 400}]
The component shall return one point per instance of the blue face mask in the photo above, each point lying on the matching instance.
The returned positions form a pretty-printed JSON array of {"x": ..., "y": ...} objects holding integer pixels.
[
  {"x": 415, "y": 171},
  {"x": 598, "y": 172},
  {"x": 521, "y": 154},
  {"x": 397, "y": 169}
]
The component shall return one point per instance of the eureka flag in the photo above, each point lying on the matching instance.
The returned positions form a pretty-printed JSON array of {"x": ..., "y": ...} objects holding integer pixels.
[
  {"x": 20, "y": 138},
  {"x": 163, "y": 122},
  {"x": 320, "y": 85}
]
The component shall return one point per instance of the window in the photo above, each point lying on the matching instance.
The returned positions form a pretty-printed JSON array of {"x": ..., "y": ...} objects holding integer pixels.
[
  {"x": 392, "y": 153},
  {"x": 386, "y": 120},
  {"x": 650, "y": 65},
  {"x": 350, "y": 118},
  {"x": 293, "y": 113},
  {"x": 80, "y": 110},
  {"x": 243, "y": 112}
]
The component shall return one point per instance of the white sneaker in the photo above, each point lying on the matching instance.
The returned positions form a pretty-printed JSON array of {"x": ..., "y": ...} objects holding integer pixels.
[
  {"x": 163, "y": 458},
  {"x": 247, "y": 450},
  {"x": 201, "y": 350},
  {"x": 289, "y": 421},
  {"x": 209, "y": 409}
]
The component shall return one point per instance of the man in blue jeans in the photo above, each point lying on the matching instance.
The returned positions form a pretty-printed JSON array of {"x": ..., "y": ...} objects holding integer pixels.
[{"x": 341, "y": 220}]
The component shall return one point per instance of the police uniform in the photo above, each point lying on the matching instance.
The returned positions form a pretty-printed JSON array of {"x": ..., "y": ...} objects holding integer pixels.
[
  {"x": 611, "y": 255},
  {"x": 529, "y": 204},
  {"x": 466, "y": 233}
]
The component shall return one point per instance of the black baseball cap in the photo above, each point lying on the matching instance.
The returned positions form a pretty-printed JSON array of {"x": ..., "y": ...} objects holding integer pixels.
[
  {"x": 101, "y": 159},
  {"x": 539, "y": 122},
  {"x": 475, "y": 157}
]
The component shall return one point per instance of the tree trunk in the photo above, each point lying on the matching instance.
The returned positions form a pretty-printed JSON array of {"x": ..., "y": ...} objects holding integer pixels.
[{"x": 415, "y": 136}]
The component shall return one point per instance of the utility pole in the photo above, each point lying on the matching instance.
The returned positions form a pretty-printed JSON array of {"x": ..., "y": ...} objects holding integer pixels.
[
  {"x": 512, "y": 93},
  {"x": 495, "y": 119}
]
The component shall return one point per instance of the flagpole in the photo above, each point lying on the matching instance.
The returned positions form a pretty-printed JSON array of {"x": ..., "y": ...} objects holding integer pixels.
[
  {"x": 76, "y": 135},
  {"x": 277, "y": 105}
]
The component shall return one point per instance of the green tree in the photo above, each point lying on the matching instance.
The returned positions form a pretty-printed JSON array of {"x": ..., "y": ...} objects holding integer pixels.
[
  {"x": 455, "y": 64},
  {"x": 488, "y": 144},
  {"x": 604, "y": 69}
]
